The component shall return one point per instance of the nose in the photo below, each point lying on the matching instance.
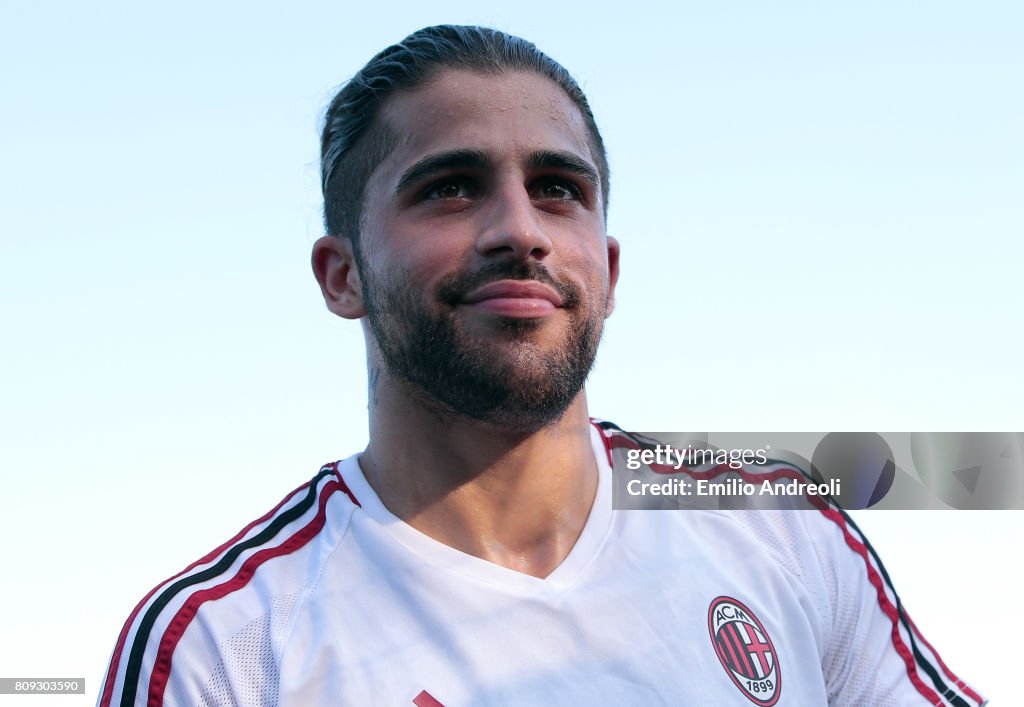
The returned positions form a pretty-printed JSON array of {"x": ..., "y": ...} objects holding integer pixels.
[{"x": 511, "y": 226}]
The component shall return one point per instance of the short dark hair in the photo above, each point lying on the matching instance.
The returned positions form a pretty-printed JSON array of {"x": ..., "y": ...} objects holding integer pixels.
[{"x": 355, "y": 139}]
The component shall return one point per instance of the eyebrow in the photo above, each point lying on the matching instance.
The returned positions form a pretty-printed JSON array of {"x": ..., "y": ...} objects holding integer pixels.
[
  {"x": 566, "y": 161},
  {"x": 441, "y": 162}
]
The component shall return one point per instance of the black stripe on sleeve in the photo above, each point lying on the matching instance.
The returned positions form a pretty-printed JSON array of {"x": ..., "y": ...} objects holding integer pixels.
[
  {"x": 133, "y": 669},
  {"x": 954, "y": 699}
]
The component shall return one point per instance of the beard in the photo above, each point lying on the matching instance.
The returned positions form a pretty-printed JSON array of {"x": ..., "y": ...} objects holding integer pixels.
[{"x": 503, "y": 378}]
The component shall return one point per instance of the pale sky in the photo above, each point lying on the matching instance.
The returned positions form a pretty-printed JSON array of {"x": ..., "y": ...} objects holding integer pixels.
[{"x": 819, "y": 206}]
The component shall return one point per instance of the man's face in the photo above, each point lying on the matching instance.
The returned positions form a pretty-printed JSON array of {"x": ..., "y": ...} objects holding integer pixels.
[{"x": 486, "y": 271}]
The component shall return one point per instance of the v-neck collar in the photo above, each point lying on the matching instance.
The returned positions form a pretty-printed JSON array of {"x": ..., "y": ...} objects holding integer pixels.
[{"x": 437, "y": 553}]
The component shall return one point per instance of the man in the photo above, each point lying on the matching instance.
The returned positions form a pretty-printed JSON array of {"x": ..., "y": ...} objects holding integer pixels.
[{"x": 470, "y": 555}]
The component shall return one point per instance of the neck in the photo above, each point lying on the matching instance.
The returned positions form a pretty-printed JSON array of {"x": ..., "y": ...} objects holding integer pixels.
[{"x": 519, "y": 500}]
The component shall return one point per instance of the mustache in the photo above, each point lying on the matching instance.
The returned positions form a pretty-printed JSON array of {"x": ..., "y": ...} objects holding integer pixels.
[{"x": 453, "y": 289}]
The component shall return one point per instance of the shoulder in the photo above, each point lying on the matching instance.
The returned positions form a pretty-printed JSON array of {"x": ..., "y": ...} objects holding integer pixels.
[
  {"x": 176, "y": 646},
  {"x": 706, "y": 478},
  {"x": 872, "y": 652}
]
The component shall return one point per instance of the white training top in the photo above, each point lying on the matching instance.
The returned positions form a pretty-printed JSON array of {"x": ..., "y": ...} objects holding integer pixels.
[{"x": 329, "y": 599}]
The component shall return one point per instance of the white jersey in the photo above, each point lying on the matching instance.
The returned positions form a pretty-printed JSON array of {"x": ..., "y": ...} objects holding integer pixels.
[{"x": 329, "y": 599}]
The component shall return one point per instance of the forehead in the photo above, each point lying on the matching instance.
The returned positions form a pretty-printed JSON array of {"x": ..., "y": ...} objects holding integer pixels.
[{"x": 509, "y": 115}]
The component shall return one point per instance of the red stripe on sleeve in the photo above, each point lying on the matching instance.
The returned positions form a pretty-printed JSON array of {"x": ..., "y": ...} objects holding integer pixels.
[
  {"x": 108, "y": 687},
  {"x": 887, "y": 606},
  {"x": 949, "y": 674},
  {"x": 176, "y": 628}
]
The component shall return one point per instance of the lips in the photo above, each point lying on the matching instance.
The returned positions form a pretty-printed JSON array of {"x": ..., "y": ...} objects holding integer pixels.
[
  {"x": 514, "y": 289},
  {"x": 515, "y": 298}
]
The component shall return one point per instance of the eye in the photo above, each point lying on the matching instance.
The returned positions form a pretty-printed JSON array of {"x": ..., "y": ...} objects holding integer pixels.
[
  {"x": 559, "y": 190},
  {"x": 448, "y": 189}
]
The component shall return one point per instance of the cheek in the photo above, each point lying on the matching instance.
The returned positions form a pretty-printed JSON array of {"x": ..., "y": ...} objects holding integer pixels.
[
  {"x": 591, "y": 269},
  {"x": 414, "y": 284},
  {"x": 598, "y": 286},
  {"x": 424, "y": 252}
]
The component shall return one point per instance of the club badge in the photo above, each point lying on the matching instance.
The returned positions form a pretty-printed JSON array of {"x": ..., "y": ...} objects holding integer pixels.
[{"x": 745, "y": 650}]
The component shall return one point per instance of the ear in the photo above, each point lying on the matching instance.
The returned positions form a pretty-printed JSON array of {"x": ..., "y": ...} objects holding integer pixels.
[
  {"x": 334, "y": 266},
  {"x": 613, "y": 273}
]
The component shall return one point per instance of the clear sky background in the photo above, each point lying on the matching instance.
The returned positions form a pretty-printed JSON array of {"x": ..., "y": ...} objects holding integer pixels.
[{"x": 820, "y": 210}]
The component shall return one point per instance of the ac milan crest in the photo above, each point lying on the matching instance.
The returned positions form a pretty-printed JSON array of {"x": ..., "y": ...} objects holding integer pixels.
[{"x": 745, "y": 650}]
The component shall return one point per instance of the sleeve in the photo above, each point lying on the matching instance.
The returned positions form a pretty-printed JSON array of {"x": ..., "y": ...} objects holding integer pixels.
[
  {"x": 207, "y": 636},
  {"x": 240, "y": 670},
  {"x": 875, "y": 655}
]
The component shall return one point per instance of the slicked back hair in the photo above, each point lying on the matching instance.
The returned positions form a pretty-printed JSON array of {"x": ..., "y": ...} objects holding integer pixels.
[{"x": 356, "y": 139}]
